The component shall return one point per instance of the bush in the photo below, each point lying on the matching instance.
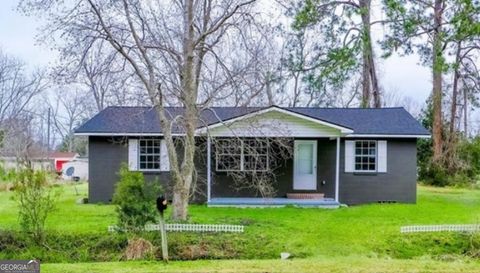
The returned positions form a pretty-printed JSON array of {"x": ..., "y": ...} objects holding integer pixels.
[
  {"x": 467, "y": 165},
  {"x": 135, "y": 200},
  {"x": 7, "y": 177},
  {"x": 35, "y": 201}
]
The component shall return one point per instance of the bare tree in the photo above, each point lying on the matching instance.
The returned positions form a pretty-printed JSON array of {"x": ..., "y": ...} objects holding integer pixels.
[
  {"x": 101, "y": 74},
  {"x": 17, "y": 87},
  {"x": 170, "y": 46},
  {"x": 395, "y": 98},
  {"x": 254, "y": 160},
  {"x": 263, "y": 159},
  {"x": 19, "y": 142},
  {"x": 68, "y": 110}
]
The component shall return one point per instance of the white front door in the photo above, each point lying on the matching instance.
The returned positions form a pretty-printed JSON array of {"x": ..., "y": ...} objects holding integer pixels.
[{"x": 305, "y": 165}]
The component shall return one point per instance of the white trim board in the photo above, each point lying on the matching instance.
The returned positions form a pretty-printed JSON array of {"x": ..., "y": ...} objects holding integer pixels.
[
  {"x": 385, "y": 136},
  {"x": 343, "y": 130},
  {"x": 124, "y": 134},
  {"x": 176, "y": 134}
]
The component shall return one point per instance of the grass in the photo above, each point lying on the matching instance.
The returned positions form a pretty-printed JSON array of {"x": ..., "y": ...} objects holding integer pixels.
[
  {"x": 69, "y": 216},
  {"x": 365, "y": 235},
  {"x": 326, "y": 264}
]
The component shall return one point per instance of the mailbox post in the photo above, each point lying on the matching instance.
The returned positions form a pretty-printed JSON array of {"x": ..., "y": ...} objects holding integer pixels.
[{"x": 161, "y": 207}]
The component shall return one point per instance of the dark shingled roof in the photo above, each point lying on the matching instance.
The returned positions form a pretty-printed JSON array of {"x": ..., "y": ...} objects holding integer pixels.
[{"x": 381, "y": 121}]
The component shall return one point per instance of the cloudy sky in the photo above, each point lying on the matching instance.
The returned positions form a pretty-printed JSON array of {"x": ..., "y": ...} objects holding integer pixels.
[{"x": 17, "y": 37}]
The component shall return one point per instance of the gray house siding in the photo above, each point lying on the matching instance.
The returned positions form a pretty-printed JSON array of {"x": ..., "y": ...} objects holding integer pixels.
[
  {"x": 397, "y": 184},
  {"x": 106, "y": 154}
]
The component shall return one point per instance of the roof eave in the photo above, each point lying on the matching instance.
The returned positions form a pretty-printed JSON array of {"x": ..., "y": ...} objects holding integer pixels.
[{"x": 422, "y": 136}]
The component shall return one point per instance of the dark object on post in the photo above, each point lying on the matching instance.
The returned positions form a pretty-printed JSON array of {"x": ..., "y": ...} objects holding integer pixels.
[{"x": 162, "y": 206}]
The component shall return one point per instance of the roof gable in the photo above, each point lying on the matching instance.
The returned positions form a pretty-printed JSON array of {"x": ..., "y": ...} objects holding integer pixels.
[{"x": 274, "y": 121}]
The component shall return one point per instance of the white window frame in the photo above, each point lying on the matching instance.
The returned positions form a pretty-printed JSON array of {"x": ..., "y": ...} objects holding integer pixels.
[
  {"x": 355, "y": 155},
  {"x": 244, "y": 153},
  {"x": 218, "y": 154},
  {"x": 242, "y": 156},
  {"x": 140, "y": 154}
]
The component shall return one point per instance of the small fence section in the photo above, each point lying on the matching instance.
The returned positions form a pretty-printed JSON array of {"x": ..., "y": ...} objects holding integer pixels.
[
  {"x": 191, "y": 228},
  {"x": 439, "y": 228}
]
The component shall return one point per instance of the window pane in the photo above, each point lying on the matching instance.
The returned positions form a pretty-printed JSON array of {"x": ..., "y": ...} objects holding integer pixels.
[
  {"x": 365, "y": 155},
  {"x": 149, "y": 154},
  {"x": 305, "y": 158},
  {"x": 228, "y": 162}
]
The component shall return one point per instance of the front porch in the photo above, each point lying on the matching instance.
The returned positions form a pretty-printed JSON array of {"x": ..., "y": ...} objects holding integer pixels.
[
  {"x": 310, "y": 164},
  {"x": 327, "y": 203}
]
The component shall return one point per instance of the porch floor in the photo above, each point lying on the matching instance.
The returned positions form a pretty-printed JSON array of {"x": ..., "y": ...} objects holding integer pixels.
[{"x": 272, "y": 202}]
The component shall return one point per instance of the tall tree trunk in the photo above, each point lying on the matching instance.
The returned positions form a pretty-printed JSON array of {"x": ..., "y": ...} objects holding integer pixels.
[
  {"x": 377, "y": 97},
  {"x": 465, "y": 112},
  {"x": 296, "y": 93},
  {"x": 268, "y": 88},
  {"x": 450, "y": 151},
  {"x": 453, "y": 109},
  {"x": 370, "y": 84},
  {"x": 189, "y": 75},
  {"x": 437, "y": 71},
  {"x": 365, "y": 103}
]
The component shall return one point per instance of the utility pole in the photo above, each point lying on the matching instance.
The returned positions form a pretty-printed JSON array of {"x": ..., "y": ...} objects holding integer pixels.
[{"x": 48, "y": 134}]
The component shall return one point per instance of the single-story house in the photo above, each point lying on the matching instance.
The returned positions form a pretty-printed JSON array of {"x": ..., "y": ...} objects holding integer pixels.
[{"x": 339, "y": 155}]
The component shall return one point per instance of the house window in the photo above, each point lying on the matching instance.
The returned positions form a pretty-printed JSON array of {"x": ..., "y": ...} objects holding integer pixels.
[
  {"x": 229, "y": 155},
  {"x": 255, "y": 155},
  {"x": 365, "y": 155},
  {"x": 241, "y": 155},
  {"x": 149, "y": 155}
]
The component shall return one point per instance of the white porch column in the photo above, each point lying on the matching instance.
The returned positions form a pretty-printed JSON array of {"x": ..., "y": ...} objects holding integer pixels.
[
  {"x": 209, "y": 168},
  {"x": 337, "y": 169}
]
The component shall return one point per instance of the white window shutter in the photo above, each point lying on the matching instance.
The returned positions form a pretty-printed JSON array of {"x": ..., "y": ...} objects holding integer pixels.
[
  {"x": 133, "y": 154},
  {"x": 349, "y": 156},
  {"x": 164, "y": 160},
  {"x": 382, "y": 156}
]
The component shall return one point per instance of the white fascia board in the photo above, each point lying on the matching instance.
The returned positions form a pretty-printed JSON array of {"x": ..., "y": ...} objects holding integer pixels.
[
  {"x": 343, "y": 130},
  {"x": 385, "y": 136},
  {"x": 123, "y": 134}
]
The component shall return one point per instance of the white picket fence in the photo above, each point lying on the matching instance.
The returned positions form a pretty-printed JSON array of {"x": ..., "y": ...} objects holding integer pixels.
[
  {"x": 190, "y": 228},
  {"x": 439, "y": 228}
]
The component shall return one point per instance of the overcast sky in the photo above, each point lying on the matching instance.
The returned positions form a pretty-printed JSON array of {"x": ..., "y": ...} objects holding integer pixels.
[{"x": 17, "y": 37}]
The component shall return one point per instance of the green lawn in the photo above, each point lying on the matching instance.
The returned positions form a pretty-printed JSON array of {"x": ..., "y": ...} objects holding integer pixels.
[
  {"x": 351, "y": 264},
  {"x": 365, "y": 235}
]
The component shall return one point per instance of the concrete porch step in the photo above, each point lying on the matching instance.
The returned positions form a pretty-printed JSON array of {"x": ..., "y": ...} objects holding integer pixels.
[{"x": 272, "y": 202}]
